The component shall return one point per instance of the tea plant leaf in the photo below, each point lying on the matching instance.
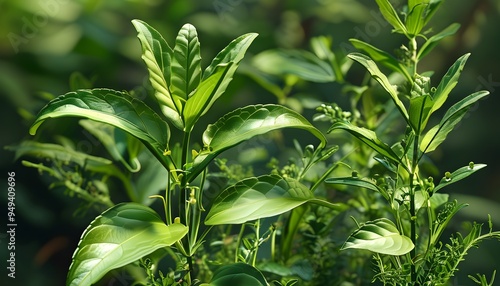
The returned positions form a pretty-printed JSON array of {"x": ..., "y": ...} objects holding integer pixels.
[
  {"x": 244, "y": 123},
  {"x": 436, "y": 135},
  {"x": 381, "y": 57},
  {"x": 368, "y": 137},
  {"x": 303, "y": 64},
  {"x": 119, "y": 236},
  {"x": 157, "y": 56},
  {"x": 260, "y": 197},
  {"x": 114, "y": 108},
  {"x": 375, "y": 72},
  {"x": 380, "y": 236},
  {"x": 458, "y": 175},
  {"x": 237, "y": 274},
  {"x": 432, "y": 42},
  {"x": 391, "y": 16},
  {"x": 186, "y": 65},
  {"x": 448, "y": 82}
]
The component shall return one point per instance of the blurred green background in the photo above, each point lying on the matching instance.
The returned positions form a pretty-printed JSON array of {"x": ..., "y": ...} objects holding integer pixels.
[{"x": 43, "y": 42}]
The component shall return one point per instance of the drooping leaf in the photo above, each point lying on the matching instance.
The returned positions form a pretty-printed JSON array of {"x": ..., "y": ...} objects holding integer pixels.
[
  {"x": 186, "y": 65},
  {"x": 260, "y": 197},
  {"x": 437, "y": 134},
  {"x": 114, "y": 108},
  {"x": 434, "y": 40},
  {"x": 302, "y": 64},
  {"x": 381, "y": 57},
  {"x": 380, "y": 236},
  {"x": 157, "y": 55},
  {"x": 458, "y": 175},
  {"x": 244, "y": 123},
  {"x": 119, "y": 236},
  {"x": 391, "y": 16},
  {"x": 238, "y": 274},
  {"x": 375, "y": 72},
  {"x": 368, "y": 137}
]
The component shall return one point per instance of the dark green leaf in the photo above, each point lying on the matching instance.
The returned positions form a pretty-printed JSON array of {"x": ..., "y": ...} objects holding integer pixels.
[
  {"x": 238, "y": 274},
  {"x": 119, "y": 236}
]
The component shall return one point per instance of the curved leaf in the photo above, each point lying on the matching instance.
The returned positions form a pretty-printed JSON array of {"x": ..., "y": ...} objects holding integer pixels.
[
  {"x": 238, "y": 274},
  {"x": 391, "y": 15},
  {"x": 380, "y": 236},
  {"x": 157, "y": 54},
  {"x": 245, "y": 123},
  {"x": 434, "y": 40},
  {"x": 415, "y": 20},
  {"x": 458, "y": 175},
  {"x": 354, "y": 181},
  {"x": 119, "y": 236},
  {"x": 260, "y": 197}
]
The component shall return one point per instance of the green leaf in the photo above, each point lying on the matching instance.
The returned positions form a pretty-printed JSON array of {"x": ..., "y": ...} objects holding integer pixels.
[
  {"x": 381, "y": 57},
  {"x": 436, "y": 135},
  {"x": 420, "y": 111},
  {"x": 119, "y": 236},
  {"x": 354, "y": 181},
  {"x": 260, "y": 197},
  {"x": 415, "y": 20},
  {"x": 157, "y": 55},
  {"x": 432, "y": 42},
  {"x": 375, "y": 72},
  {"x": 391, "y": 16},
  {"x": 458, "y": 175},
  {"x": 244, "y": 123},
  {"x": 302, "y": 64},
  {"x": 380, "y": 236},
  {"x": 238, "y": 274},
  {"x": 186, "y": 65},
  {"x": 114, "y": 108},
  {"x": 369, "y": 138},
  {"x": 448, "y": 82}
]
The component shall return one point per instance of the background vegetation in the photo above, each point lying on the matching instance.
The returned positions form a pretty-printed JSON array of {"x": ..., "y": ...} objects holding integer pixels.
[{"x": 43, "y": 42}]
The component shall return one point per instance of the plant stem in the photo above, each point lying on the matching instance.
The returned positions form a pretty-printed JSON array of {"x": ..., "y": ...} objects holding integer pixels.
[{"x": 413, "y": 215}]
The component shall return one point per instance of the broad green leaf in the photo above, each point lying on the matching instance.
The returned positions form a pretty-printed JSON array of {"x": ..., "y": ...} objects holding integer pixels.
[
  {"x": 353, "y": 181},
  {"x": 119, "y": 236},
  {"x": 448, "y": 82},
  {"x": 434, "y": 40},
  {"x": 302, "y": 64},
  {"x": 375, "y": 72},
  {"x": 420, "y": 111},
  {"x": 415, "y": 20},
  {"x": 458, "y": 175},
  {"x": 368, "y": 137},
  {"x": 380, "y": 236},
  {"x": 244, "y": 123},
  {"x": 391, "y": 16},
  {"x": 238, "y": 274},
  {"x": 260, "y": 197},
  {"x": 381, "y": 57},
  {"x": 157, "y": 54},
  {"x": 186, "y": 65},
  {"x": 114, "y": 108},
  {"x": 115, "y": 142},
  {"x": 437, "y": 134}
]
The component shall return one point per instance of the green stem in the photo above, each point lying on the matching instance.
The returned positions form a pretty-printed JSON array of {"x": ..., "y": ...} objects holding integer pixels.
[
  {"x": 256, "y": 242},
  {"x": 413, "y": 214},
  {"x": 238, "y": 242}
]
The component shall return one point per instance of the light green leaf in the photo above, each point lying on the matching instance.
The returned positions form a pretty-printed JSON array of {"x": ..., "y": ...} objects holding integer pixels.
[
  {"x": 380, "y": 236},
  {"x": 391, "y": 16},
  {"x": 244, "y": 123},
  {"x": 354, "y": 181},
  {"x": 157, "y": 54},
  {"x": 437, "y": 134},
  {"x": 415, "y": 20},
  {"x": 238, "y": 274},
  {"x": 119, "y": 236},
  {"x": 434, "y": 40},
  {"x": 302, "y": 64},
  {"x": 381, "y": 57},
  {"x": 369, "y": 138},
  {"x": 458, "y": 175},
  {"x": 420, "y": 111},
  {"x": 375, "y": 72},
  {"x": 186, "y": 65},
  {"x": 448, "y": 82},
  {"x": 114, "y": 108},
  {"x": 260, "y": 197}
]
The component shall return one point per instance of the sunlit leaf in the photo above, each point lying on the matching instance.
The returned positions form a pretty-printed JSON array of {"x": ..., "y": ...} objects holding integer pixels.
[
  {"x": 434, "y": 40},
  {"x": 420, "y": 111},
  {"x": 238, "y": 274},
  {"x": 119, "y": 236},
  {"x": 415, "y": 20},
  {"x": 380, "y": 236},
  {"x": 260, "y": 197},
  {"x": 391, "y": 15},
  {"x": 354, "y": 181},
  {"x": 458, "y": 175}
]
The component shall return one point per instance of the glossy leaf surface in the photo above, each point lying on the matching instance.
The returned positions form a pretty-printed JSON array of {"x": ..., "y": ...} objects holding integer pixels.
[
  {"x": 238, "y": 274},
  {"x": 119, "y": 236},
  {"x": 458, "y": 175}
]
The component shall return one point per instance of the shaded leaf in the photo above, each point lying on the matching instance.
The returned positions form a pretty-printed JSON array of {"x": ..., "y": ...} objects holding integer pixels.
[
  {"x": 380, "y": 236},
  {"x": 238, "y": 274},
  {"x": 119, "y": 236}
]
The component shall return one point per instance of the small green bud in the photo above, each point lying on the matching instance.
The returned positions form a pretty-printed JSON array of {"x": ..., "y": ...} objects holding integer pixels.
[
  {"x": 354, "y": 174},
  {"x": 447, "y": 176},
  {"x": 471, "y": 165}
]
